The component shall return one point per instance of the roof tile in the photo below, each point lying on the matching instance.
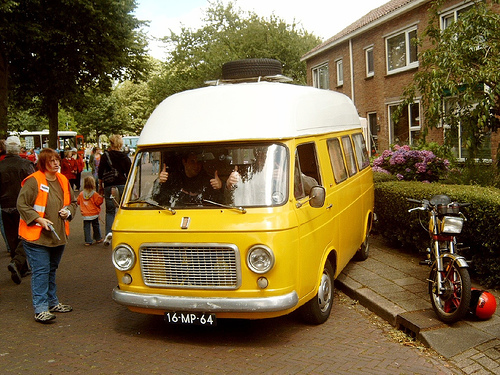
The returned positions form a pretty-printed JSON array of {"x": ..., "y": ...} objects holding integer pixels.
[{"x": 368, "y": 18}]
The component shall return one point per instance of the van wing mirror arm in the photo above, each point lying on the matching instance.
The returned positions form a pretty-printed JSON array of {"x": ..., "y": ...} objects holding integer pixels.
[{"x": 316, "y": 197}]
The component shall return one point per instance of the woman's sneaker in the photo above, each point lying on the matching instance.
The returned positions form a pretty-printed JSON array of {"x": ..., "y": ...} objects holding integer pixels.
[
  {"x": 60, "y": 308},
  {"x": 44, "y": 317}
]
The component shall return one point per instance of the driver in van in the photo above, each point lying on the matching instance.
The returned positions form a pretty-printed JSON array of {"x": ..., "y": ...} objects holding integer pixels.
[{"x": 191, "y": 184}]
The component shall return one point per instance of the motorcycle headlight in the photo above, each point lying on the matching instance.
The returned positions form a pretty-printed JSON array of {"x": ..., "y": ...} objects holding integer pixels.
[
  {"x": 452, "y": 224},
  {"x": 123, "y": 257},
  {"x": 260, "y": 259}
]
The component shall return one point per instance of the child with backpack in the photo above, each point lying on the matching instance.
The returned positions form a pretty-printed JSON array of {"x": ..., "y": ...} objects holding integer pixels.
[{"x": 90, "y": 203}]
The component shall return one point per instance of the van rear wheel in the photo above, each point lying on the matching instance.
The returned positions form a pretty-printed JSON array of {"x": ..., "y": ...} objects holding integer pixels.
[
  {"x": 317, "y": 310},
  {"x": 364, "y": 250}
]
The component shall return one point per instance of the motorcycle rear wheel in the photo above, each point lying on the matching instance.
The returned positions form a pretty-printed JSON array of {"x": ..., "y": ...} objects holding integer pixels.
[{"x": 453, "y": 304}]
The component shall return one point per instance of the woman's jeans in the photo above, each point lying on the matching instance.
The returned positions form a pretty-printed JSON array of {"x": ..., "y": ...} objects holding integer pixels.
[
  {"x": 94, "y": 224},
  {"x": 44, "y": 262},
  {"x": 110, "y": 206}
]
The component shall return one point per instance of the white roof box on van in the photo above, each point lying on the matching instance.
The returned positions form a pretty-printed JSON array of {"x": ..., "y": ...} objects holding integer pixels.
[{"x": 248, "y": 111}]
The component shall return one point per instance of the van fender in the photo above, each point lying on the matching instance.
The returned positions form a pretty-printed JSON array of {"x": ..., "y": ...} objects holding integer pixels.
[{"x": 331, "y": 256}]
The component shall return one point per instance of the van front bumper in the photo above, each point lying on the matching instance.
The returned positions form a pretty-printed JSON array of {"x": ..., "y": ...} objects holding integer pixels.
[{"x": 210, "y": 305}]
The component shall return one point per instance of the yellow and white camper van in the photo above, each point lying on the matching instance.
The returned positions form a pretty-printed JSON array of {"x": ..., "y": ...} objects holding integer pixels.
[{"x": 244, "y": 200}]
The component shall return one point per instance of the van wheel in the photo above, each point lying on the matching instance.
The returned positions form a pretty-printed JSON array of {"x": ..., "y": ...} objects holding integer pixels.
[
  {"x": 317, "y": 310},
  {"x": 249, "y": 68},
  {"x": 364, "y": 250}
]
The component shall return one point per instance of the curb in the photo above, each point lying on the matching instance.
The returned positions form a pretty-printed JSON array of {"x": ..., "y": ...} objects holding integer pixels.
[{"x": 447, "y": 340}]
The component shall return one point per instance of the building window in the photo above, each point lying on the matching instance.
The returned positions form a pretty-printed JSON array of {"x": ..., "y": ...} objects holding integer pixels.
[
  {"x": 401, "y": 51},
  {"x": 406, "y": 130},
  {"x": 340, "y": 72},
  {"x": 454, "y": 136},
  {"x": 321, "y": 79},
  {"x": 374, "y": 129},
  {"x": 370, "y": 69},
  {"x": 449, "y": 17}
]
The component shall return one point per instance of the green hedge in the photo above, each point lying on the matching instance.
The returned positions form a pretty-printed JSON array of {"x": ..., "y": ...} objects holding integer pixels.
[{"x": 481, "y": 230}]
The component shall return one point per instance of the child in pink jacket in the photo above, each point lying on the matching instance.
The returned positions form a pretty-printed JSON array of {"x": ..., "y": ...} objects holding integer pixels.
[{"x": 90, "y": 206}]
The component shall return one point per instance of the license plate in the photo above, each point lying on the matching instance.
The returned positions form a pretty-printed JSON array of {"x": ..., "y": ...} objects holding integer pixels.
[{"x": 190, "y": 318}]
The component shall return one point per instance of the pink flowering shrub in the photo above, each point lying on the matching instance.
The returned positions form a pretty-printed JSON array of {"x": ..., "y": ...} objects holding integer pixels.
[{"x": 407, "y": 164}]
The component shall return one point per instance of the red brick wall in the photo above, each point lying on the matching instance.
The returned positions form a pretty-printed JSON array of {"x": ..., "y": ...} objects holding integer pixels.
[{"x": 373, "y": 94}]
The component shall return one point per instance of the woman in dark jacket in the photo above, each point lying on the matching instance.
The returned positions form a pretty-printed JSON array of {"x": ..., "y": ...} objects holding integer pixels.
[{"x": 113, "y": 158}]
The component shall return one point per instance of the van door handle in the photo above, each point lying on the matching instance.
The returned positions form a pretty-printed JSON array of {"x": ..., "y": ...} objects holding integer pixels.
[{"x": 329, "y": 206}]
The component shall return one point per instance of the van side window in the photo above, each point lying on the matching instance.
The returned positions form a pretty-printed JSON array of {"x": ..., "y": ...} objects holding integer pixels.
[
  {"x": 336, "y": 160},
  {"x": 306, "y": 174},
  {"x": 361, "y": 151},
  {"x": 349, "y": 155}
]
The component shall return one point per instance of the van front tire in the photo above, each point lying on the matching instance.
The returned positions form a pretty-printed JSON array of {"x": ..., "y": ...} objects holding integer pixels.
[{"x": 317, "y": 310}]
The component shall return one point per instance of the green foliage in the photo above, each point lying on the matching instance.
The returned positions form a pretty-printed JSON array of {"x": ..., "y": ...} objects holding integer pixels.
[
  {"x": 99, "y": 116},
  {"x": 57, "y": 50},
  {"x": 460, "y": 69},
  {"x": 409, "y": 230},
  {"x": 481, "y": 174},
  {"x": 229, "y": 34}
]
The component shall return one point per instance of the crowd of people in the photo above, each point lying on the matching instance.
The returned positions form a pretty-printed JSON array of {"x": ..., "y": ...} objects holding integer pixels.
[{"x": 40, "y": 193}]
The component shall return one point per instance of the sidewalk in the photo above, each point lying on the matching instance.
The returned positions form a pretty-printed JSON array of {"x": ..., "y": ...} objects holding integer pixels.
[{"x": 393, "y": 285}]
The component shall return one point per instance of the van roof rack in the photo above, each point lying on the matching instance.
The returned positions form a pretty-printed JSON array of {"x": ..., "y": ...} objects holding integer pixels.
[{"x": 276, "y": 78}]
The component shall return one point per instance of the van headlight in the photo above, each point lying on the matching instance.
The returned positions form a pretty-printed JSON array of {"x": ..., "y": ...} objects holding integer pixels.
[
  {"x": 260, "y": 259},
  {"x": 123, "y": 257}
]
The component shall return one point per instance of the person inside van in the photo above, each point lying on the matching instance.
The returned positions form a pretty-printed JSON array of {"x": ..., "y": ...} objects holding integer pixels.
[{"x": 191, "y": 184}]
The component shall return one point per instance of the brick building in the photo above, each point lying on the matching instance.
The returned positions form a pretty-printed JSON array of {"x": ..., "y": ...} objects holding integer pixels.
[{"x": 372, "y": 61}]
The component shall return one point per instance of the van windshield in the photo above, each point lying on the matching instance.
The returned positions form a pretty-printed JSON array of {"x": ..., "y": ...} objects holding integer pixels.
[{"x": 246, "y": 175}]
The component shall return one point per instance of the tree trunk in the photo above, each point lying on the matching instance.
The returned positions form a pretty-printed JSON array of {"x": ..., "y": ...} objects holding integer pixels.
[
  {"x": 53, "y": 112},
  {"x": 4, "y": 77}
]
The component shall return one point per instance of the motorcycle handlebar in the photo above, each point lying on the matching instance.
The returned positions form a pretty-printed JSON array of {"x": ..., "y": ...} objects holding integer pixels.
[
  {"x": 425, "y": 203},
  {"x": 414, "y": 200}
]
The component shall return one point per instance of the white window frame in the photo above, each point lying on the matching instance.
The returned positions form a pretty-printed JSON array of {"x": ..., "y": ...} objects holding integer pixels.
[
  {"x": 457, "y": 148},
  {"x": 339, "y": 66},
  {"x": 411, "y": 127},
  {"x": 373, "y": 138},
  {"x": 408, "y": 45},
  {"x": 368, "y": 51},
  {"x": 316, "y": 74},
  {"x": 452, "y": 14}
]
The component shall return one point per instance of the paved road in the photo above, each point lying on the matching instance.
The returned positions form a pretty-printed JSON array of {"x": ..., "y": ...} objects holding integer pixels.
[{"x": 101, "y": 337}]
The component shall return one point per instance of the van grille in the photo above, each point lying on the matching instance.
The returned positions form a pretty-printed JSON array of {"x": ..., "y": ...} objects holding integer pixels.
[{"x": 190, "y": 266}]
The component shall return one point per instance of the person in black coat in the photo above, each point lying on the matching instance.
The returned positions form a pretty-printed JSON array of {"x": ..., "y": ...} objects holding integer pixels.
[
  {"x": 112, "y": 190},
  {"x": 13, "y": 170}
]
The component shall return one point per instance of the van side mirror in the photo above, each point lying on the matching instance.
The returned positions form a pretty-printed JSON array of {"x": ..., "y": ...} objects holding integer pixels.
[{"x": 316, "y": 197}]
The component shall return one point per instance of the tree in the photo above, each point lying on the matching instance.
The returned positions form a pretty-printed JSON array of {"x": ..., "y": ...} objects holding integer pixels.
[
  {"x": 458, "y": 77},
  {"x": 229, "y": 34},
  {"x": 99, "y": 116},
  {"x": 66, "y": 47},
  {"x": 6, "y": 45}
]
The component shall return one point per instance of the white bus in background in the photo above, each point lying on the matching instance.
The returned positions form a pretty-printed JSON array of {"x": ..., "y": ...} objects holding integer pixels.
[
  {"x": 130, "y": 143},
  {"x": 39, "y": 140}
]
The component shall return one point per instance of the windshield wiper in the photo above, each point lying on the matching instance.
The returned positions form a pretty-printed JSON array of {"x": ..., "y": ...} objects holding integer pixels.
[
  {"x": 154, "y": 204},
  {"x": 241, "y": 209}
]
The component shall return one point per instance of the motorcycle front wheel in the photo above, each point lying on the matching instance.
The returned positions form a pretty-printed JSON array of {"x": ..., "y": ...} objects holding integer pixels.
[{"x": 452, "y": 303}]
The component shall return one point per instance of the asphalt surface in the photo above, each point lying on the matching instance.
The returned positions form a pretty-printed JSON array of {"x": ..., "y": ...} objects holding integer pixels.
[{"x": 393, "y": 285}]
